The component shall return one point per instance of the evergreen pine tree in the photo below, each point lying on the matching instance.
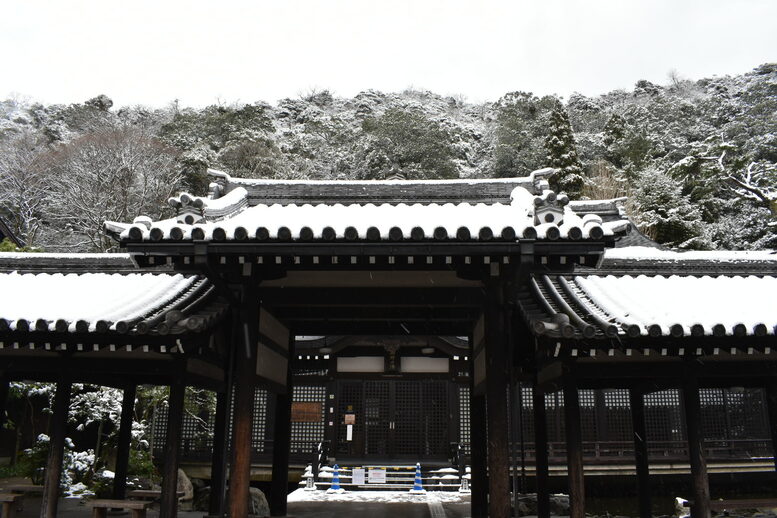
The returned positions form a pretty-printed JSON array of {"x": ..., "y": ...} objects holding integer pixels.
[
  {"x": 562, "y": 154},
  {"x": 664, "y": 213}
]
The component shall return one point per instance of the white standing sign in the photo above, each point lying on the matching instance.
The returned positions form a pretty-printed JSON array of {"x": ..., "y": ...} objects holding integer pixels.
[
  {"x": 377, "y": 476},
  {"x": 357, "y": 476}
]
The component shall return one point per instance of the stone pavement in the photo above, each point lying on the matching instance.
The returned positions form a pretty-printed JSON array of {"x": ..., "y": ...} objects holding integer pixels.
[{"x": 425, "y": 506}]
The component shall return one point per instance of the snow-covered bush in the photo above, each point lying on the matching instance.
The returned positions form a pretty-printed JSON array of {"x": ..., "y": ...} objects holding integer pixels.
[{"x": 77, "y": 466}]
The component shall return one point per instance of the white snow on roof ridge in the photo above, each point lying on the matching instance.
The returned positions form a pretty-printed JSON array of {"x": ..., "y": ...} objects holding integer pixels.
[
  {"x": 530, "y": 178},
  {"x": 367, "y": 183},
  {"x": 232, "y": 199},
  {"x": 646, "y": 253},
  {"x": 62, "y": 255}
]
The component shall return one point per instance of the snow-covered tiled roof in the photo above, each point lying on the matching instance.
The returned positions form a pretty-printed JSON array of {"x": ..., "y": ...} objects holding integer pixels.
[
  {"x": 655, "y": 255},
  {"x": 300, "y": 192},
  {"x": 530, "y": 212},
  {"x": 637, "y": 260},
  {"x": 138, "y": 303},
  {"x": 592, "y": 305}
]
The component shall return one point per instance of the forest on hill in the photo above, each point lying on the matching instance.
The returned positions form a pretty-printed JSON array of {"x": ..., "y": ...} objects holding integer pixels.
[{"x": 697, "y": 159}]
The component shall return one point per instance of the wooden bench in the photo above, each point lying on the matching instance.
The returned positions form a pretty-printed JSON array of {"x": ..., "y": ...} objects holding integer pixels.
[
  {"x": 24, "y": 489},
  {"x": 149, "y": 494},
  {"x": 10, "y": 501},
  {"x": 137, "y": 508}
]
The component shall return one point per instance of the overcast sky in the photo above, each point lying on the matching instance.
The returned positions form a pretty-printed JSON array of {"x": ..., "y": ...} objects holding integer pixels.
[{"x": 201, "y": 52}]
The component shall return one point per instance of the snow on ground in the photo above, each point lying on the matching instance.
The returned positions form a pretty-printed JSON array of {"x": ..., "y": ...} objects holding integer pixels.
[{"x": 300, "y": 495}]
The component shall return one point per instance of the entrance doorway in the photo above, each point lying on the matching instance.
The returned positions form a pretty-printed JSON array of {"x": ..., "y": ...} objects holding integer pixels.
[{"x": 393, "y": 420}]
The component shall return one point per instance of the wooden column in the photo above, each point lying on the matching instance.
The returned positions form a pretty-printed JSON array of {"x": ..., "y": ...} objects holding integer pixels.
[
  {"x": 515, "y": 423},
  {"x": 124, "y": 439},
  {"x": 218, "y": 479},
  {"x": 637, "y": 400},
  {"x": 497, "y": 384},
  {"x": 701, "y": 489},
  {"x": 574, "y": 449},
  {"x": 541, "y": 452},
  {"x": 771, "y": 404},
  {"x": 168, "y": 503},
  {"x": 247, "y": 332},
  {"x": 221, "y": 425},
  {"x": 478, "y": 447},
  {"x": 4, "y": 386},
  {"x": 57, "y": 430},
  {"x": 279, "y": 485}
]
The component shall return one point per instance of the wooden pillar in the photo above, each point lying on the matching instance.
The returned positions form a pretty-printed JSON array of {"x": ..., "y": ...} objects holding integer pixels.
[
  {"x": 218, "y": 479},
  {"x": 124, "y": 439},
  {"x": 279, "y": 485},
  {"x": 4, "y": 388},
  {"x": 497, "y": 384},
  {"x": 700, "y": 484},
  {"x": 771, "y": 404},
  {"x": 574, "y": 449},
  {"x": 637, "y": 400},
  {"x": 541, "y": 452},
  {"x": 515, "y": 423},
  {"x": 478, "y": 447},
  {"x": 57, "y": 430},
  {"x": 245, "y": 391},
  {"x": 168, "y": 503}
]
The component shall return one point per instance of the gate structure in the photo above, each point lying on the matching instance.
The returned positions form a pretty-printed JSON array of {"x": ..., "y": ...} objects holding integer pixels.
[{"x": 545, "y": 293}]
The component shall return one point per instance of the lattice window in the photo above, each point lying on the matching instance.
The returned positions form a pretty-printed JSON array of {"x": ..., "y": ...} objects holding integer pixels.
[
  {"x": 307, "y": 430},
  {"x": 714, "y": 414},
  {"x": 259, "y": 428},
  {"x": 748, "y": 414},
  {"x": 464, "y": 420},
  {"x": 527, "y": 413},
  {"x": 618, "y": 418},
  {"x": 196, "y": 425},
  {"x": 588, "y": 415},
  {"x": 663, "y": 418},
  {"x": 350, "y": 400},
  {"x": 554, "y": 415},
  {"x": 408, "y": 417},
  {"x": 435, "y": 419}
]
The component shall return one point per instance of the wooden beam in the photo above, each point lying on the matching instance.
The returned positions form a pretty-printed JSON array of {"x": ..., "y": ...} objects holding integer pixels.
[
  {"x": 479, "y": 450},
  {"x": 771, "y": 404},
  {"x": 246, "y": 335},
  {"x": 57, "y": 430},
  {"x": 574, "y": 438},
  {"x": 496, "y": 394},
  {"x": 382, "y": 327},
  {"x": 279, "y": 485},
  {"x": 168, "y": 503},
  {"x": 700, "y": 508},
  {"x": 637, "y": 400},
  {"x": 123, "y": 443},
  {"x": 451, "y": 248},
  {"x": 541, "y": 452},
  {"x": 374, "y": 297}
]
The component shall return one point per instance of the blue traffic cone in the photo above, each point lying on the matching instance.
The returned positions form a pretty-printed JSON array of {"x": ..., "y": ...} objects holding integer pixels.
[
  {"x": 335, "y": 487},
  {"x": 418, "y": 484},
  {"x": 336, "y": 478}
]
